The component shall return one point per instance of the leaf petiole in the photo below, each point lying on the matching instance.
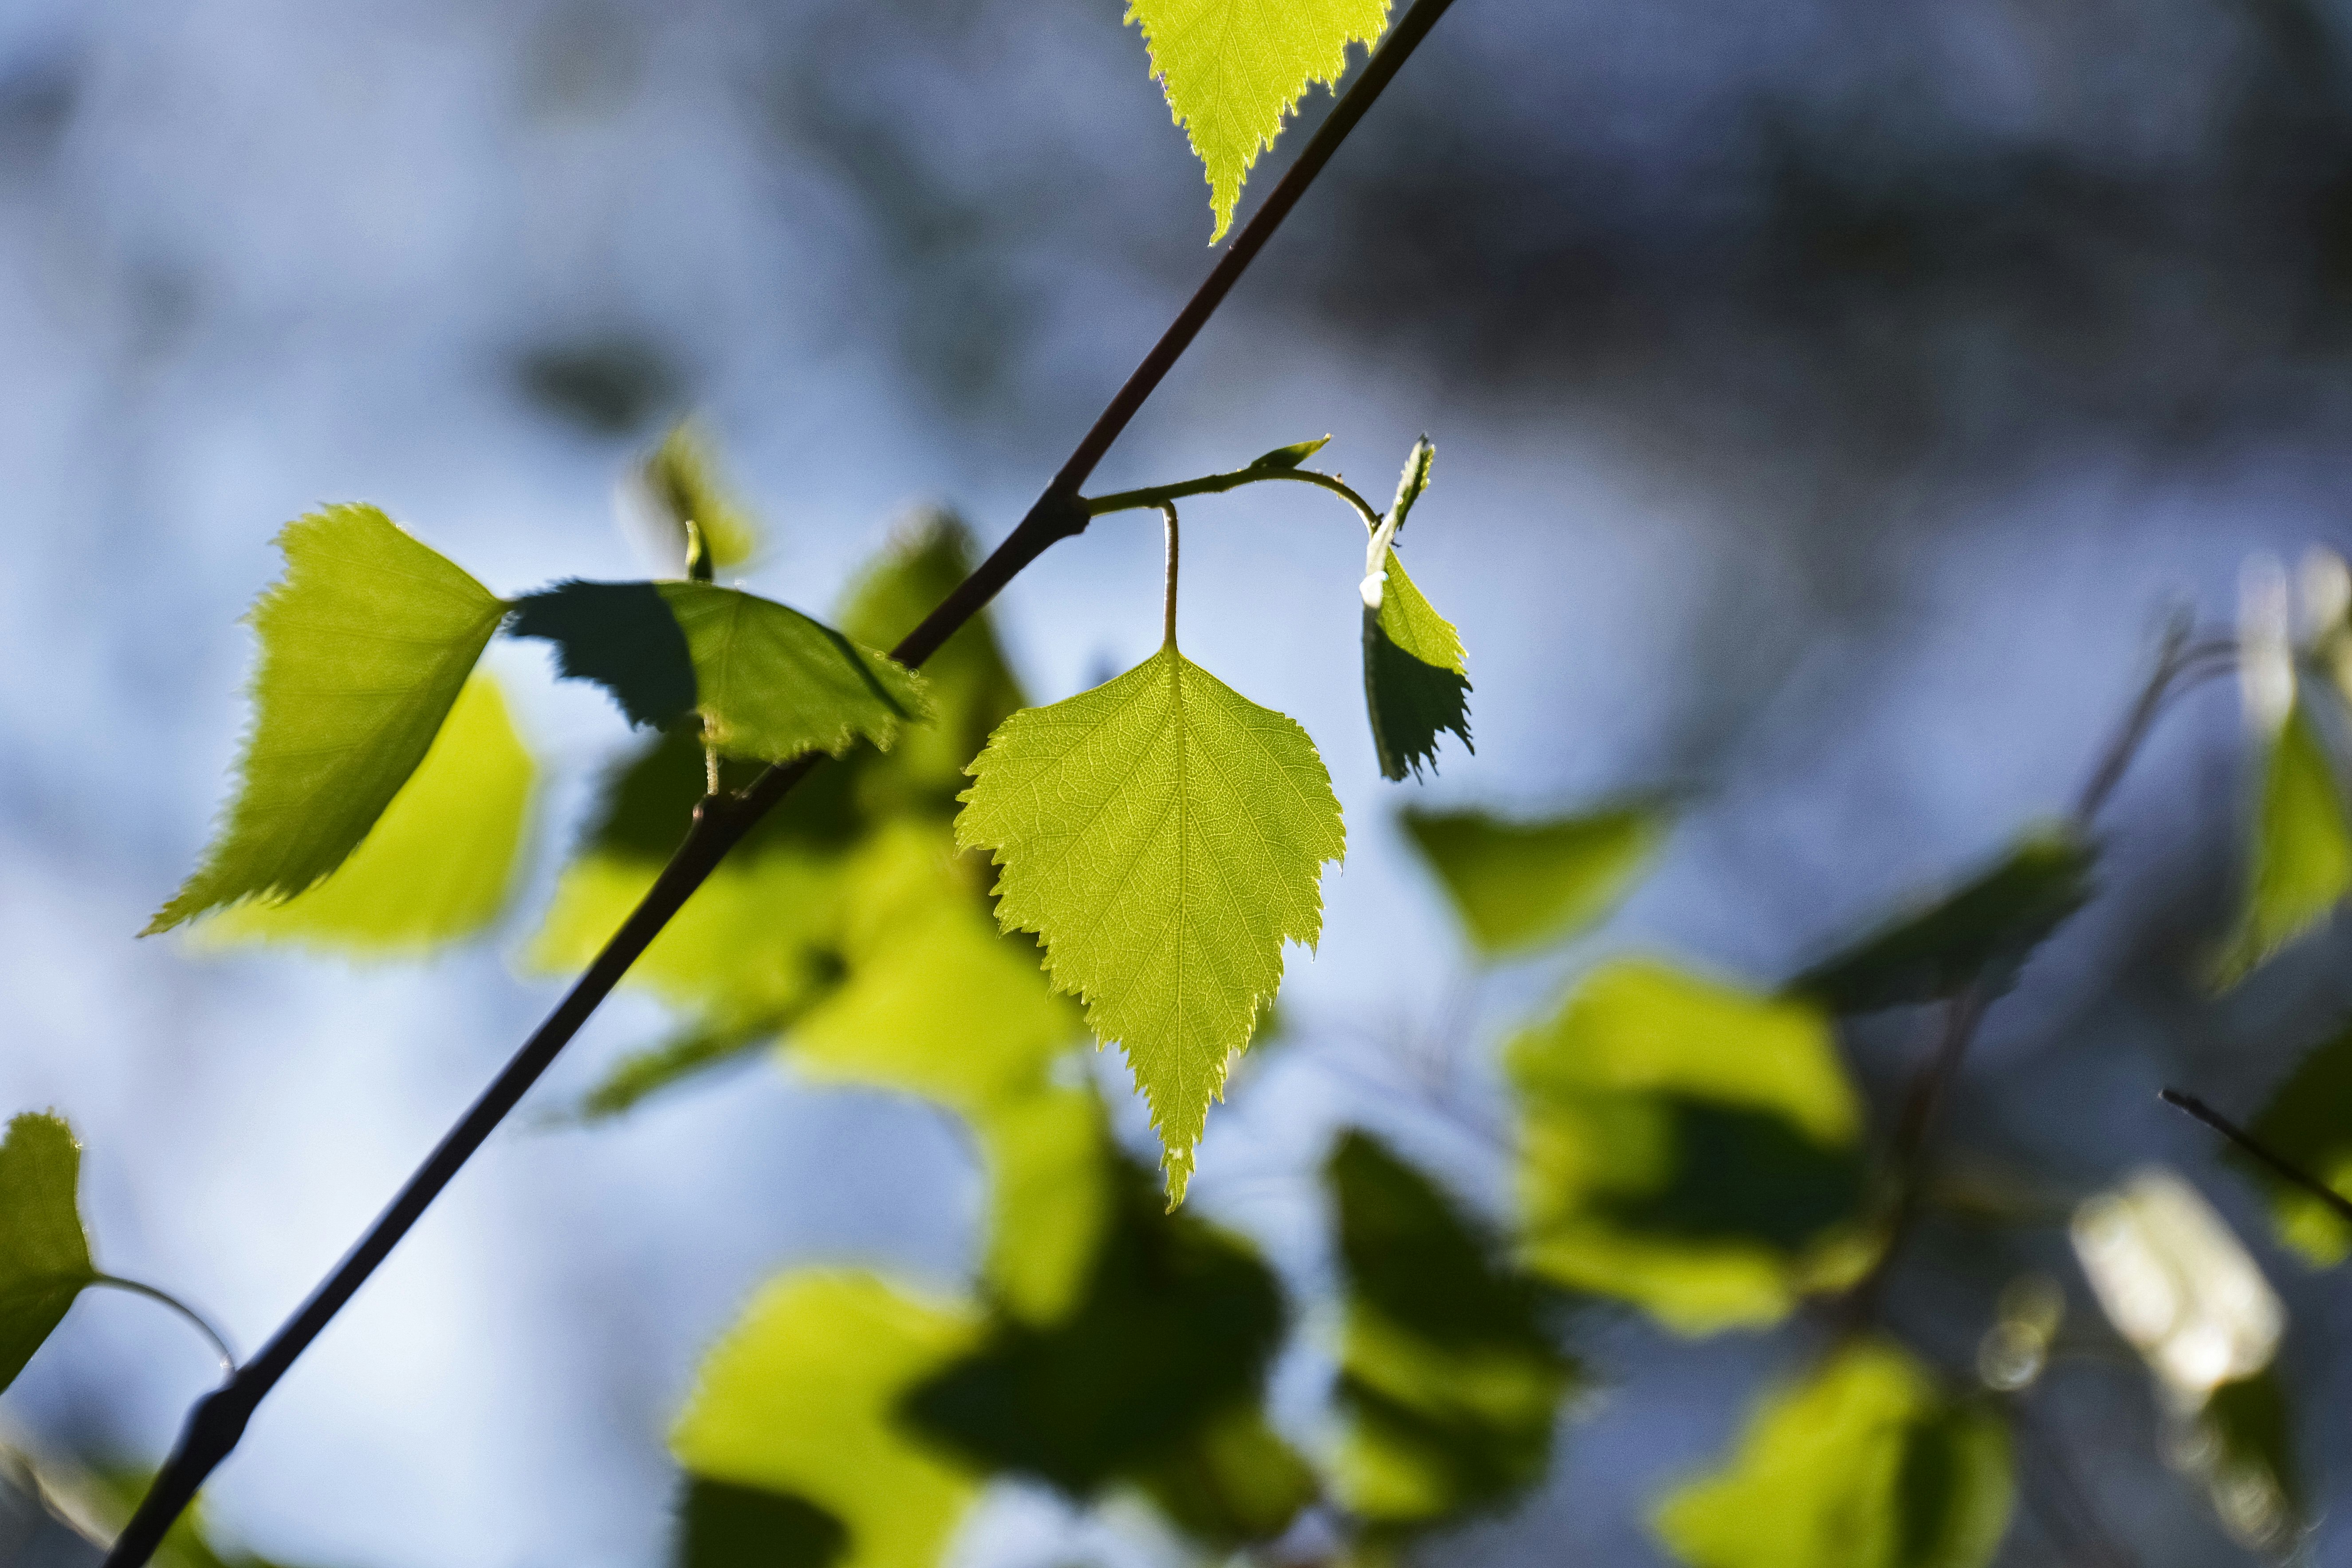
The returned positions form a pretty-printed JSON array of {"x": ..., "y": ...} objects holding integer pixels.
[
  {"x": 1168, "y": 603},
  {"x": 188, "y": 1314},
  {"x": 1217, "y": 484}
]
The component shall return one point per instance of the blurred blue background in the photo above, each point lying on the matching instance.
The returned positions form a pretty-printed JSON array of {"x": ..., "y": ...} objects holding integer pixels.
[{"x": 1830, "y": 398}]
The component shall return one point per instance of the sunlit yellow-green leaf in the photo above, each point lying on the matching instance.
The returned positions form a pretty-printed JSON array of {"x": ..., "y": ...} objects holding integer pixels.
[
  {"x": 1517, "y": 885},
  {"x": 2299, "y": 861},
  {"x": 44, "y": 1254},
  {"x": 1688, "y": 1147},
  {"x": 1451, "y": 1383},
  {"x": 438, "y": 866},
  {"x": 1234, "y": 70},
  {"x": 771, "y": 683},
  {"x": 1866, "y": 1463},
  {"x": 801, "y": 1398},
  {"x": 365, "y": 643},
  {"x": 1165, "y": 837}
]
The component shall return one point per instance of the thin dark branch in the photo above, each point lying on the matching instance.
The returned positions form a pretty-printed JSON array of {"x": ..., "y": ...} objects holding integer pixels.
[
  {"x": 2254, "y": 1146},
  {"x": 218, "y": 1420}
]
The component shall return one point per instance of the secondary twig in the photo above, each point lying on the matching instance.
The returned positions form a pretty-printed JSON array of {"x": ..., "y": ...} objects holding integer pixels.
[
  {"x": 2261, "y": 1151},
  {"x": 218, "y": 1420}
]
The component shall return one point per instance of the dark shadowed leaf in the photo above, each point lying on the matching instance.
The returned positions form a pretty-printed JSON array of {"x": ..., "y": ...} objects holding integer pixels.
[
  {"x": 1449, "y": 1380},
  {"x": 2299, "y": 853},
  {"x": 1864, "y": 1464},
  {"x": 1517, "y": 885},
  {"x": 2309, "y": 1123},
  {"x": 724, "y": 1526},
  {"x": 1981, "y": 932},
  {"x": 1687, "y": 1147},
  {"x": 44, "y": 1254},
  {"x": 621, "y": 636},
  {"x": 365, "y": 643},
  {"x": 644, "y": 1073},
  {"x": 1416, "y": 677},
  {"x": 1174, "y": 1329},
  {"x": 1234, "y": 1483}
]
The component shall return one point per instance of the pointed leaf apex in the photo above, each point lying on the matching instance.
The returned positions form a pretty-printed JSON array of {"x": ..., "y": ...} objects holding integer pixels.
[{"x": 1292, "y": 455}]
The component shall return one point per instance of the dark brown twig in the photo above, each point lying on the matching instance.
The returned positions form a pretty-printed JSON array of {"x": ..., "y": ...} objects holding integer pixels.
[{"x": 218, "y": 1420}]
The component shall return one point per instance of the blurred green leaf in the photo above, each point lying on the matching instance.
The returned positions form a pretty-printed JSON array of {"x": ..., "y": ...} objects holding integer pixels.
[
  {"x": 1864, "y": 1464},
  {"x": 1982, "y": 930},
  {"x": 1165, "y": 836},
  {"x": 2247, "y": 1457},
  {"x": 1450, "y": 1382},
  {"x": 1174, "y": 1329},
  {"x": 365, "y": 643},
  {"x": 1519, "y": 884},
  {"x": 44, "y": 1254},
  {"x": 438, "y": 866},
  {"x": 2299, "y": 859},
  {"x": 642, "y": 1073},
  {"x": 1416, "y": 677},
  {"x": 1292, "y": 455},
  {"x": 2308, "y": 1123},
  {"x": 683, "y": 476},
  {"x": 771, "y": 683},
  {"x": 621, "y": 636},
  {"x": 971, "y": 687},
  {"x": 1235, "y": 1483},
  {"x": 1234, "y": 69},
  {"x": 724, "y": 1526},
  {"x": 1687, "y": 1147},
  {"x": 801, "y": 1398}
]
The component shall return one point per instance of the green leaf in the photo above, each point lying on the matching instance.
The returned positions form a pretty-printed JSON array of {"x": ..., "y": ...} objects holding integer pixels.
[
  {"x": 1451, "y": 1383},
  {"x": 683, "y": 476},
  {"x": 1292, "y": 455},
  {"x": 1234, "y": 70},
  {"x": 1687, "y": 1147},
  {"x": 972, "y": 686},
  {"x": 2308, "y": 1124},
  {"x": 1412, "y": 481},
  {"x": 643, "y": 1074},
  {"x": 44, "y": 1254},
  {"x": 620, "y": 636},
  {"x": 1864, "y": 1464},
  {"x": 1236, "y": 1484},
  {"x": 723, "y": 1526},
  {"x": 1165, "y": 837},
  {"x": 1981, "y": 932},
  {"x": 1416, "y": 677},
  {"x": 801, "y": 1399},
  {"x": 770, "y": 683},
  {"x": 1517, "y": 885},
  {"x": 440, "y": 864},
  {"x": 2299, "y": 861},
  {"x": 1176, "y": 1327},
  {"x": 365, "y": 642}
]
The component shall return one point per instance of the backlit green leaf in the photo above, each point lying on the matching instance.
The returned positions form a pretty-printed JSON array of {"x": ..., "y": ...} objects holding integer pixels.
[
  {"x": 2299, "y": 861},
  {"x": 1234, "y": 70},
  {"x": 621, "y": 636},
  {"x": 1864, "y": 1464},
  {"x": 1688, "y": 1147},
  {"x": 2309, "y": 1123},
  {"x": 1981, "y": 932},
  {"x": 440, "y": 863},
  {"x": 44, "y": 1254},
  {"x": 770, "y": 683},
  {"x": 1165, "y": 836},
  {"x": 1416, "y": 677},
  {"x": 1175, "y": 1329},
  {"x": 683, "y": 476},
  {"x": 1450, "y": 1382},
  {"x": 801, "y": 1398},
  {"x": 643, "y": 1074},
  {"x": 1517, "y": 885},
  {"x": 365, "y": 643}
]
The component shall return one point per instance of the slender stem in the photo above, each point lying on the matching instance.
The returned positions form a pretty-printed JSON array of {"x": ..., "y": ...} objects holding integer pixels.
[
  {"x": 2259, "y": 1150},
  {"x": 1217, "y": 484},
  {"x": 194, "y": 1319},
  {"x": 218, "y": 1420},
  {"x": 1167, "y": 600}
]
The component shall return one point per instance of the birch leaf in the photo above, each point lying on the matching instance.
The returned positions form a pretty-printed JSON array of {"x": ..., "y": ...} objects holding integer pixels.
[
  {"x": 1165, "y": 836},
  {"x": 44, "y": 1254},
  {"x": 771, "y": 683},
  {"x": 365, "y": 643},
  {"x": 1233, "y": 70}
]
